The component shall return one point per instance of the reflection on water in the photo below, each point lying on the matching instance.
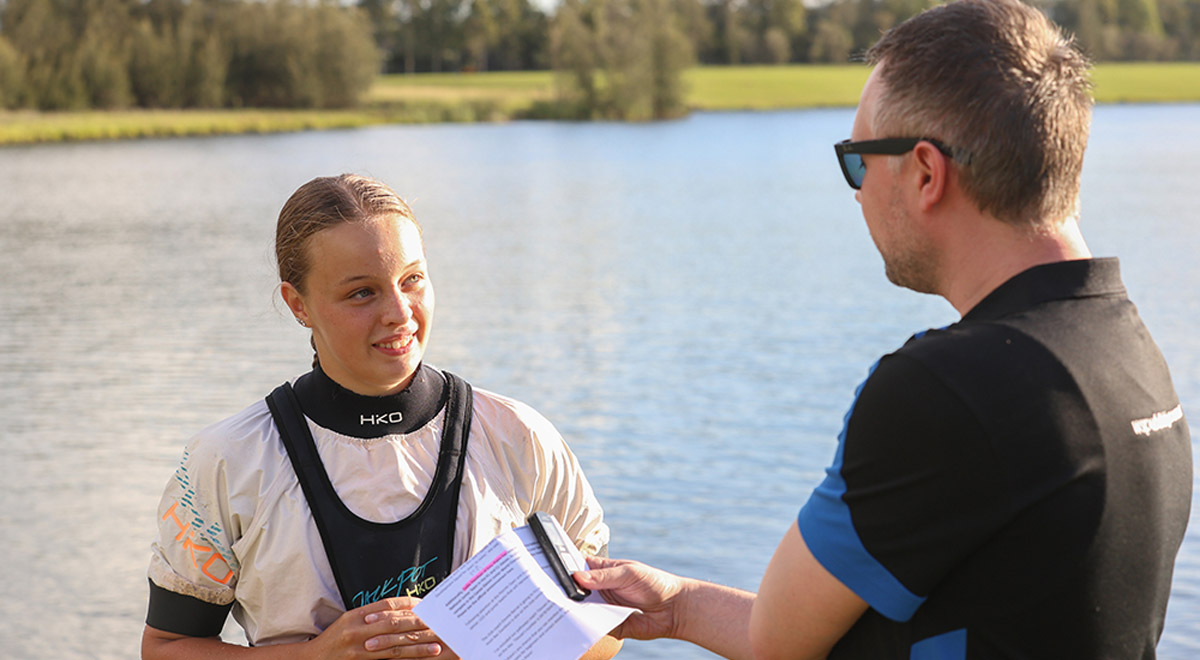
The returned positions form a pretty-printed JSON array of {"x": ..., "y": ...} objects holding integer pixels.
[{"x": 692, "y": 303}]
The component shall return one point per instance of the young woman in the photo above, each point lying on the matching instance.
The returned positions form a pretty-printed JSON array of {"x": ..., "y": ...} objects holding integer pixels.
[{"x": 320, "y": 514}]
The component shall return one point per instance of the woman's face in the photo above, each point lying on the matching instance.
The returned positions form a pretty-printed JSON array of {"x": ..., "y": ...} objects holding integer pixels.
[{"x": 369, "y": 302}]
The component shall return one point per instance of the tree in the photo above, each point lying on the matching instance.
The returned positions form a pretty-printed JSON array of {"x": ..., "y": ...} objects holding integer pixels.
[
  {"x": 12, "y": 76},
  {"x": 772, "y": 25},
  {"x": 1181, "y": 22},
  {"x": 734, "y": 37},
  {"x": 671, "y": 53},
  {"x": 154, "y": 70},
  {"x": 42, "y": 33},
  {"x": 831, "y": 43},
  {"x": 438, "y": 36},
  {"x": 480, "y": 33},
  {"x": 576, "y": 59},
  {"x": 621, "y": 59},
  {"x": 344, "y": 60},
  {"x": 521, "y": 35},
  {"x": 385, "y": 25},
  {"x": 282, "y": 54},
  {"x": 105, "y": 72},
  {"x": 693, "y": 19}
]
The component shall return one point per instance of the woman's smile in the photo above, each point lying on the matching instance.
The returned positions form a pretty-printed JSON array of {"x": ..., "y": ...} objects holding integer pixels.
[{"x": 396, "y": 346}]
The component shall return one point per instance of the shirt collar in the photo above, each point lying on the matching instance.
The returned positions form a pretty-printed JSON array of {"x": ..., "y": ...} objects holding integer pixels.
[
  {"x": 1054, "y": 281},
  {"x": 338, "y": 409}
]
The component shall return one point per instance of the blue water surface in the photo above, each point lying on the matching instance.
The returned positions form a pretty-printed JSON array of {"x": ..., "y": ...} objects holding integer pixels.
[{"x": 692, "y": 303}]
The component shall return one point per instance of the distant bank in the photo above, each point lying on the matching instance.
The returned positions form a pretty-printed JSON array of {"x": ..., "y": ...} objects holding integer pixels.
[{"x": 500, "y": 96}]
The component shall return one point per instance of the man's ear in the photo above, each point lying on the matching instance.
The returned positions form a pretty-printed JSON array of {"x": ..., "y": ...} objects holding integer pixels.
[{"x": 933, "y": 170}]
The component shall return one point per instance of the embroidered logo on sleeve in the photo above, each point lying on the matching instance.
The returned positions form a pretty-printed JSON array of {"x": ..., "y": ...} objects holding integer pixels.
[
  {"x": 197, "y": 551},
  {"x": 200, "y": 541},
  {"x": 1159, "y": 421}
]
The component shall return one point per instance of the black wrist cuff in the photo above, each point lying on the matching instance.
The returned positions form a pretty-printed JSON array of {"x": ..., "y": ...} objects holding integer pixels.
[{"x": 184, "y": 615}]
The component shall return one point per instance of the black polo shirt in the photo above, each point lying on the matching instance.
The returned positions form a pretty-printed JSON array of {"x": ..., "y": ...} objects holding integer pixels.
[{"x": 1015, "y": 485}]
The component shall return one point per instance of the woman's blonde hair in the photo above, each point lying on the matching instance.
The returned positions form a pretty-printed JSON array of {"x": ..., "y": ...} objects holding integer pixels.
[{"x": 325, "y": 202}]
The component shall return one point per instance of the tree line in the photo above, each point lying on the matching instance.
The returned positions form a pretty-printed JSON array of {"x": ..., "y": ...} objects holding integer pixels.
[
  {"x": 79, "y": 54},
  {"x": 616, "y": 58},
  {"x": 477, "y": 35}
]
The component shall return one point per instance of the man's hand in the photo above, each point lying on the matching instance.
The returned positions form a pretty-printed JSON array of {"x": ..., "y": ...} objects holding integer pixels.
[
  {"x": 703, "y": 613},
  {"x": 634, "y": 584}
]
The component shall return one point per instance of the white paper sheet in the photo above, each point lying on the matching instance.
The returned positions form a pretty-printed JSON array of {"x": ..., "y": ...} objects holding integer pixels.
[{"x": 505, "y": 604}]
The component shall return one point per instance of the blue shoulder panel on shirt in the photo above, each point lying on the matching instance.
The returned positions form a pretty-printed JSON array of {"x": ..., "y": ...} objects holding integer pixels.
[
  {"x": 829, "y": 533},
  {"x": 946, "y": 646}
]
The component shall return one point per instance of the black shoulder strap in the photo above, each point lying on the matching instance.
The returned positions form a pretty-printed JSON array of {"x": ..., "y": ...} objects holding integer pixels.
[
  {"x": 373, "y": 560},
  {"x": 293, "y": 430}
]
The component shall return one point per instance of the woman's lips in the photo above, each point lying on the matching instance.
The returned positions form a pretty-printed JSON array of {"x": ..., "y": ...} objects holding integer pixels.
[{"x": 396, "y": 345}]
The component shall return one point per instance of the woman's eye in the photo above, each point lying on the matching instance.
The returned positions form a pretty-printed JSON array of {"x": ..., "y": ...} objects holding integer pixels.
[
  {"x": 415, "y": 278},
  {"x": 361, "y": 293}
]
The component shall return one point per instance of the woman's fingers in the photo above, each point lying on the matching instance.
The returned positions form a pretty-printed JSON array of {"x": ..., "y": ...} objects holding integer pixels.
[
  {"x": 397, "y": 632},
  {"x": 415, "y": 644},
  {"x": 397, "y": 603},
  {"x": 395, "y": 620}
]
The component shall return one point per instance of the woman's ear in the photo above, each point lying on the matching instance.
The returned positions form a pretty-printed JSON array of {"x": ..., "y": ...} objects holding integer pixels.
[{"x": 295, "y": 302}]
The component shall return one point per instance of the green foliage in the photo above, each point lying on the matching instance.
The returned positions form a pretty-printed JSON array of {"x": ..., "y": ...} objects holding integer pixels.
[
  {"x": 345, "y": 59},
  {"x": 620, "y": 59},
  {"x": 1130, "y": 30},
  {"x": 44, "y": 40},
  {"x": 292, "y": 55},
  {"x": 831, "y": 42},
  {"x": 77, "y": 54},
  {"x": 103, "y": 55},
  {"x": 465, "y": 35},
  {"x": 613, "y": 58},
  {"x": 12, "y": 76},
  {"x": 154, "y": 67}
]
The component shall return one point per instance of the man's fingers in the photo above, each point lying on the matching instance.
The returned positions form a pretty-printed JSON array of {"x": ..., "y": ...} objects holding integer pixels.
[
  {"x": 605, "y": 574},
  {"x": 601, "y": 562}
]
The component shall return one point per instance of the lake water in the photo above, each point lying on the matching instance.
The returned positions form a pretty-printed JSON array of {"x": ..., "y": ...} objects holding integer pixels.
[{"x": 692, "y": 303}]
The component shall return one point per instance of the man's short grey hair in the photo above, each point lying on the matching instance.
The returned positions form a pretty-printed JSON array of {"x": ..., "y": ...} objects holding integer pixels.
[{"x": 1005, "y": 88}]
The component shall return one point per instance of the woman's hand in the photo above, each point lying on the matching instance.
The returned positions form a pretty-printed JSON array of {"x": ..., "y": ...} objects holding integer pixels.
[{"x": 383, "y": 629}]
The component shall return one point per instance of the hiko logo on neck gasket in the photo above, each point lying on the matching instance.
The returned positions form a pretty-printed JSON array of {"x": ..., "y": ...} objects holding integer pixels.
[{"x": 394, "y": 417}]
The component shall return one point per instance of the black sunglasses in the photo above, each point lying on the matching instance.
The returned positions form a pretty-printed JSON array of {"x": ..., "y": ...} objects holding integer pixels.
[{"x": 850, "y": 153}]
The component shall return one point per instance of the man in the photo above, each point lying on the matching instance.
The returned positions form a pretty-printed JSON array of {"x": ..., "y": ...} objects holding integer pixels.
[{"x": 1015, "y": 485}]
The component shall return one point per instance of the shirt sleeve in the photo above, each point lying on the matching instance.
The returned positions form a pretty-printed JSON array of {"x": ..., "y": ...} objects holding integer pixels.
[
  {"x": 192, "y": 570},
  {"x": 562, "y": 488},
  {"x": 912, "y": 489}
]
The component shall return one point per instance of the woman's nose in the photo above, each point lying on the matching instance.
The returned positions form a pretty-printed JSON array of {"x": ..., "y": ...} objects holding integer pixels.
[{"x": 399, "y": 308}]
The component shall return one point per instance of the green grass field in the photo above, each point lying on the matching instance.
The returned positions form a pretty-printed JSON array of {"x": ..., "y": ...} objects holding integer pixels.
[
  {"x": 510, "y": 92},
  {"x": 498, "y": 96},
  {"x": 774, "y": 87},
  {"x": 1166, "y": 82}
]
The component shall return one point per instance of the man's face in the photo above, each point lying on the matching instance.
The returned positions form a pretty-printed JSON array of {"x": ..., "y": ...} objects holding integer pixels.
[{"x": 907, "y": 257}]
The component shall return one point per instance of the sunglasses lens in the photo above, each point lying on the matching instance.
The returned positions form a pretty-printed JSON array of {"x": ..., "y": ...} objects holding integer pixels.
[{"x": 854, "y": 169}]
